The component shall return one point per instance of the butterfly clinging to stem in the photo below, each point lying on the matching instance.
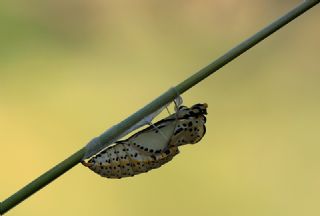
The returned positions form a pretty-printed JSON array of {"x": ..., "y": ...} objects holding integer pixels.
[{"x": 153, "y": 146}]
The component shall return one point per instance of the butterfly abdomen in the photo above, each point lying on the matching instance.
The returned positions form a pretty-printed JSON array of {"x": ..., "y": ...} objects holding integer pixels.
[{"x": 123, "y": 160}]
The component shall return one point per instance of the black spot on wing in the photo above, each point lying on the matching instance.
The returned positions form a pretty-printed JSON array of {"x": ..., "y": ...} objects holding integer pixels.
[{"x": 178, "y": 131}]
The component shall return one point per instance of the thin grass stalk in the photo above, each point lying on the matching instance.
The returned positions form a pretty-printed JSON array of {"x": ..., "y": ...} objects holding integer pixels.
[{"x": 163, "y": 99}]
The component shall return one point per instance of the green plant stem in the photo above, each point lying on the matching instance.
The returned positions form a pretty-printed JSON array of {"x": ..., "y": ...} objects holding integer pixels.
[{"x": 163, "y": 99}]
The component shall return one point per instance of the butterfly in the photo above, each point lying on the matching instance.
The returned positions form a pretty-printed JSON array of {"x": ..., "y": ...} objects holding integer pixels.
[{"x": 153, "y": 146}]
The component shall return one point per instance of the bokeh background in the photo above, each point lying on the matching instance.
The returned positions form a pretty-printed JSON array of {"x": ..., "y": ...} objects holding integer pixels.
[{"x": 71, "y": 69}]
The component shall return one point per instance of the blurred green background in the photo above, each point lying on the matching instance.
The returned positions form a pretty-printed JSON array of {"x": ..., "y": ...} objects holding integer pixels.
[{"x": 71, "y": 69}]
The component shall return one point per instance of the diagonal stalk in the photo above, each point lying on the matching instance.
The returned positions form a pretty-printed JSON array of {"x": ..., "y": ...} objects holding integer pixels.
[{"x": 163, "y": 99}]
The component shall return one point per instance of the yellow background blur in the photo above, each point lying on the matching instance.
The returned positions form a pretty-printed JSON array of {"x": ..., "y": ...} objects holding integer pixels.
[{"x": 71, "y": 69}]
